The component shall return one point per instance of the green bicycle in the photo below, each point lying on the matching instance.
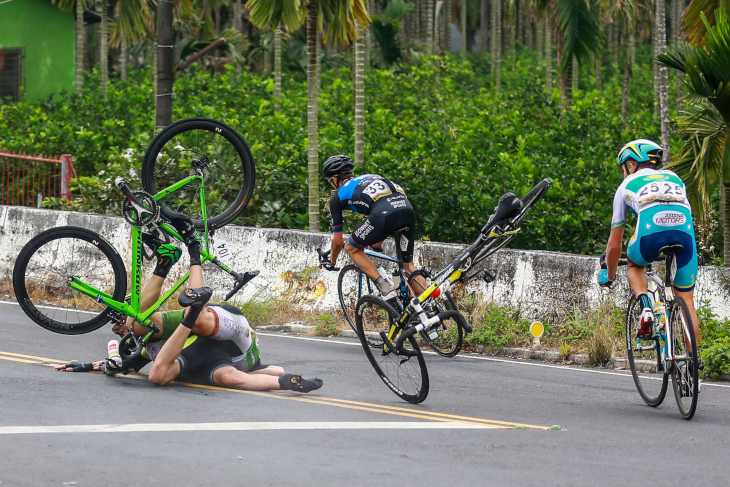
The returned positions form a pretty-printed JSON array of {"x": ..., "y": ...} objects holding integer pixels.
[{"x": 71, "y": 280}]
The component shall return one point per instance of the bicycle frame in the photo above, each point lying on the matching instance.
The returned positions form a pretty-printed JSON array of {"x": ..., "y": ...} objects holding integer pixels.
[{"x": 133, "y": 308}]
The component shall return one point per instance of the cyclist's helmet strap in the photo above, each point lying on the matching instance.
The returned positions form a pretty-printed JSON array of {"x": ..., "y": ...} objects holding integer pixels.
[
  {"x": 337, "y": 165},
  {"x": 641, "y": 150}
]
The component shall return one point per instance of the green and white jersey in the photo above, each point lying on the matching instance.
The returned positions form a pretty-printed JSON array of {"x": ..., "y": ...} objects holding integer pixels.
[{"x": 657, "y": 197}]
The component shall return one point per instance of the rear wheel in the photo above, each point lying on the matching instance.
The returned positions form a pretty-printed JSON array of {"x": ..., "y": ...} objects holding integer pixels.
[
  {"x": 404, "y": 374},
  {"x": 200, "y": 146},
  {"x": 685, "y": 372},
  {"x": 447, "y": 338},
  {"x": 43, "y": 270},
  {"x": 644, "y": 359}
]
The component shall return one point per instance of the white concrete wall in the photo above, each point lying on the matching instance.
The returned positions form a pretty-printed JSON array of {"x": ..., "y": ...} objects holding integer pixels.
[{"x": 545, "y": 284}]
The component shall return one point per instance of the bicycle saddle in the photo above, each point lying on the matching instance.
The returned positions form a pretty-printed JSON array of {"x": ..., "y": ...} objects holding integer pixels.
[
  {"x": 671, "y": 249},
  {"x": 509, "y": 206}
]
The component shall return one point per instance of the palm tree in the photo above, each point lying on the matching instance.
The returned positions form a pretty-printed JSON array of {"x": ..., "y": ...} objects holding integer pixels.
[
  {"x": 496, "y": 66},
  {"x": 661, "y": 45},
  {"x": 341, "y": 16},
  {"x": 359, "y": 97},
  {"x": 79, "y": 6},
  {"x": 706, "y": 66},
  {"x": 462, "y": 22},
  {"x": 579, "y": 36},
  {"x": 694, "y": 24}
]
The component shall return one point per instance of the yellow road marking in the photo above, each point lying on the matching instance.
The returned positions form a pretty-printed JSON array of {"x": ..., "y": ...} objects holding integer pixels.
[{"x": 341, "y": 403}]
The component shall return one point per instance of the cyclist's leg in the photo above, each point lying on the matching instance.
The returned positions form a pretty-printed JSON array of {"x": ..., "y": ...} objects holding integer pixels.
[
  {"x": 370, "y": 231},
  {"x": 685, "y": 278}
]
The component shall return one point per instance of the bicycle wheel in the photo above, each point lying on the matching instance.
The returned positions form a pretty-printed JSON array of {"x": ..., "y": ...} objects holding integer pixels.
[
  {"x": 352, "y": 284},
  {"x": 685, "y": 371},
  {"x": 644, "y": 359},
  {"x": 44, "y": 267},
  {"x": 446, "y": 340},
  {"x": 405, "y": 375},
  {"x": 200, "y": 144}
]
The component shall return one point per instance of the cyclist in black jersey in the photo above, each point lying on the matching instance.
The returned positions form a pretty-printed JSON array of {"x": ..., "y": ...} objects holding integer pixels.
[
  {"x": 227, "y": 356},
  {"x": 388, "y": 211}
]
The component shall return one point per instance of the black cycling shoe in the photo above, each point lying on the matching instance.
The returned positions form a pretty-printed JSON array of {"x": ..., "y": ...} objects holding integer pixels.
[
  {"x": 196, "y": 297},
  {"x": 291, "y": 382}
]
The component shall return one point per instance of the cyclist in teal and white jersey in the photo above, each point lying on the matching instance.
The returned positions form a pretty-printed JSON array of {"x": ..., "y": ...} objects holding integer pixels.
[{"x": 658, "y": 198}]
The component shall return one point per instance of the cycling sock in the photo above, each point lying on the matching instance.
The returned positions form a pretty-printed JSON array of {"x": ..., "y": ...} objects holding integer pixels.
[
  {"x": 194, "y": 251},
  {"x": 383, "y": 285},
  {"x": 644, "y": 300},
  {"x": 291, "y": 382}
]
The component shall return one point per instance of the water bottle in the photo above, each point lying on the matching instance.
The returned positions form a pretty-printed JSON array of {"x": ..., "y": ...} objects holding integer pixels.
[
  {"x": 660, "y": 315},
  {"x": 386, "y": 277}
]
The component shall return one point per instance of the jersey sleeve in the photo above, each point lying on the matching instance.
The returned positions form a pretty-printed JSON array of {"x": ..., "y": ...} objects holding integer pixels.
[
  {"x": 336, "y": 212},
  {"x": 619, "y": 210}
]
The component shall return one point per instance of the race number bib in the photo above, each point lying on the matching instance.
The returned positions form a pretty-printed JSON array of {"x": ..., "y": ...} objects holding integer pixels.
[
  {"x": 221, "y": 250},
  {"x": 377, "y": 189},
  {"x": 661, "y": 191}
]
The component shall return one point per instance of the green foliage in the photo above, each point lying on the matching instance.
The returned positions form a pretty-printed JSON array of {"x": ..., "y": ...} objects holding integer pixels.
[
  {"x": 324, "y": 325},
  {"x": 436, "y": 128},
  {"x": 498, "y": 327}
]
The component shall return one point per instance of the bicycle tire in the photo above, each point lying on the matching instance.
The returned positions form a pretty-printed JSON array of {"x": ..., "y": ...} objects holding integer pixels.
[
  {"x": 644, "y": 359},
  {"x": 450, "y": 333},
  {"x": 229, "y": 174},
  {"x": 406, "y": 377},
  {"x": 352, "y": 284},
  {"x": 42, "y": 270},
  {"x": 685, "y": 374}
]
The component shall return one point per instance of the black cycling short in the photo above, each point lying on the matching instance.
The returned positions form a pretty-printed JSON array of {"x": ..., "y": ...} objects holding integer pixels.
[
  {"x": 387, "y": 216},
  {"x": 204, "y": 356}
]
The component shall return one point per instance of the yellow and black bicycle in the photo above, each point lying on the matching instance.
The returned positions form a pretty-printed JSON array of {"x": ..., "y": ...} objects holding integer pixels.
[{"x": 396, "y": 356}]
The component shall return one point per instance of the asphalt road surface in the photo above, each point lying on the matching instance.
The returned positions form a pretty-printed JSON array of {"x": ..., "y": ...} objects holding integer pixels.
[{"x": 89, "y": 429}]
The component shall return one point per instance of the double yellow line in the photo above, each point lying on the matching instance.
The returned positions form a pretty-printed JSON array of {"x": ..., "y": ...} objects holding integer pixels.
[{"x": 325, "y": 401}]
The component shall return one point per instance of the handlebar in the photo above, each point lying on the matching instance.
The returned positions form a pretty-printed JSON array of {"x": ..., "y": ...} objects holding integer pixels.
[{"x": 241, "y": 280}]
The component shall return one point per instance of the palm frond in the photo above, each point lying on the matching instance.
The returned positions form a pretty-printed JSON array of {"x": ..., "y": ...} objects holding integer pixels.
[
  {"x": 267, "y": 14},
  {"x": 578, "y": 26},
  {"x": 675, "y": 56},
  {"x": 694, "y": 26}
]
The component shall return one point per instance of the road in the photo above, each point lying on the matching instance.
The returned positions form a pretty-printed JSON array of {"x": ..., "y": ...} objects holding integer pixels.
[{"x": 90, "y": 429}]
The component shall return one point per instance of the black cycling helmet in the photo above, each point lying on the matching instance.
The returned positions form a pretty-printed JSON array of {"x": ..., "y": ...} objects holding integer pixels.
[{"x": 336, "y": 165}]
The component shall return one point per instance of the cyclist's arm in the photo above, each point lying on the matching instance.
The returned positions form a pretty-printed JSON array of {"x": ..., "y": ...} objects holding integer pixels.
[
  {"x": 613, "y": 252},
  {"x": 166, "y": 367},
  {"x": 338, "y": 242}
]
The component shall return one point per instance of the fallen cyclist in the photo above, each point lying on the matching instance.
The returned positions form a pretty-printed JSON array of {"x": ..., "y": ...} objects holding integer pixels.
[{"x": 215, "y": 343}]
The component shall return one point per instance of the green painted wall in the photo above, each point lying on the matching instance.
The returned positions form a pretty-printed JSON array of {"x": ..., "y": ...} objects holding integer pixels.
[{"x": 48, "y": 36}]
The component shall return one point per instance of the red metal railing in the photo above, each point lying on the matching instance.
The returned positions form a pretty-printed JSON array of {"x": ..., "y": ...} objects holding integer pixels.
[{"x": 26, "y": 180}]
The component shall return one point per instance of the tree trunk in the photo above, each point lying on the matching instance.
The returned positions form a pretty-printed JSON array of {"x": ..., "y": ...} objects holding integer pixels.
[
  {"x": 548, "y": 55},
  {"x": 462, "y": 15},
  {"x": 359, "y": 98},
  {"x": 267, "y": 59},
  {"x": 368, "y": 38},
  {"x": 277, "y": 67},
  {"x": 627, "y": 76},
  {"x": 575, "y": 73},
  {"x": 497, "y": 43},
  {"x": 237, "y": 10},
  {"x": 447, "y": 25},
  {"x": 104, "y": 49},
  {"x": 312, "y": 117},
  {"x": 123, "y": 57},
  {"x": 655, "y": 67},
  {"x": 540, "y": 41},
  {"x": 429, "y": 27},
  {"x": 567, "y": 82},
  {"x": 483, "y": 22},
  {"x": 79, "y": 47},
  {"x": 318, "y": 46},
  {"x": 663, "y": 81},
  {"x": 597, "y": 60},
  {"x": 165, "y": 74}
]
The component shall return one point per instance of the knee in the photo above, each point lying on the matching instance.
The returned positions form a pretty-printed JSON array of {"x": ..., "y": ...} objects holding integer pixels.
[{"x": 349, "y": 248}]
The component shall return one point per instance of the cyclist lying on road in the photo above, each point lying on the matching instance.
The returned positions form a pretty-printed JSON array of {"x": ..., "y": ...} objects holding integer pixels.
[
  {"x": 658, "y": 198},
  {"x": 224, "y": 350},
  {"x": 387, "y": 209}
]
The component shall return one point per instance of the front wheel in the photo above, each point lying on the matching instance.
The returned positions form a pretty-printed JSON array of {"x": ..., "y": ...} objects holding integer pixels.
[
  {"x": 685, "y": 372},
  {"x": 352, "y": 284},
  {"x": 44, "y": 268},
  {"x": 209, "y": 148},
  {"x": 405, "y": 375},
  {"x": 645, "y": 359}
]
